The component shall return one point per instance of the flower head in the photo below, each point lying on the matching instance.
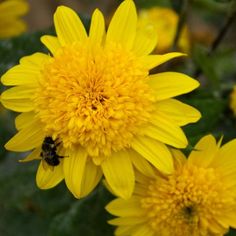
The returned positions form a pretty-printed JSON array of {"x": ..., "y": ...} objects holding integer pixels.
[
  {"x": 94, "y": 98},
  {"x": 164, "y": 22},
  {"x": 10, "y": 13},
  {"x": 198, "y": 199},
  {"x": 233, "y": 100}
]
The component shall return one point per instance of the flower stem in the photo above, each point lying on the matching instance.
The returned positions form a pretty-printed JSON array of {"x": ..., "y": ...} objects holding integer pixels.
[
  {"x": 219, "y": 38},
  {"x": 181, "y": 23}
]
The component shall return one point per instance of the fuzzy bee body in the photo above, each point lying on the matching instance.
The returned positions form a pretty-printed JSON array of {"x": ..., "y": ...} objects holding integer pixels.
[{"x": 49, "y": 152}]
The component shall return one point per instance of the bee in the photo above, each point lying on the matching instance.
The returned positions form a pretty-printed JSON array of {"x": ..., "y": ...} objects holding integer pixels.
[{"x": 49, "y": 152}]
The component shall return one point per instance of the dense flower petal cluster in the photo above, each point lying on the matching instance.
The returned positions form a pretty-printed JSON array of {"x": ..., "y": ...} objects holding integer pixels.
[
  {"x": 198, "y": 199},
  {"x": 94, "y": 97}
]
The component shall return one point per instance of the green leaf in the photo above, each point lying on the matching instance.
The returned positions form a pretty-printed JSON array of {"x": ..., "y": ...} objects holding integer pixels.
[
  {"x": 212, "y": 112},
  {"x": 205, "y": 64},
  {"x": 84, "y": 217}
]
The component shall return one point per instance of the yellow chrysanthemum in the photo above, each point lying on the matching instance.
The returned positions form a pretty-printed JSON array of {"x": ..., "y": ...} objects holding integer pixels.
[
  {"x": 10, "y": 13},
  {"x": 164, "y": 21},
  {"x": 94, "y": 96},
  {"x": 198, "y": 199},
  {"x": 233, "y": 100}
]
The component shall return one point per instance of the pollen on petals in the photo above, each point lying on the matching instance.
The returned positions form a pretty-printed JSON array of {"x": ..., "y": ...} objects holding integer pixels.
[
  {"x": 94, "y": 97},
  {"x": 198, "y": 199}
]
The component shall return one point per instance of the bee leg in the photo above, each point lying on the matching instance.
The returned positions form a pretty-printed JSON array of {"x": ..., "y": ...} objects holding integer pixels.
[{"x": 60, "y": 156}]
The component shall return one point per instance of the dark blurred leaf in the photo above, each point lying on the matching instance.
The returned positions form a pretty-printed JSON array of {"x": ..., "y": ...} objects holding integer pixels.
[
  {"x": 224, "y": 1},
  {"x": 6, "y": 127},
  {"x": 205, "y": 64},
  {"x": 84, "y": 217},
  {"x": 223, "y": 62},
  {"x": 215, "y": 6},
  {"x": 211, "y": 110},
  {"x": 25, "y": 210},
  {"x": 177, "y": 5},
  {"x": 232, "y": 232}
]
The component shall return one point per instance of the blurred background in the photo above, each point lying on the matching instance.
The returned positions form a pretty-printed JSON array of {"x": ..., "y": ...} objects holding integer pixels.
[
  {"x": 202, "y": 27},
  {"x": 206, "y": 32}
]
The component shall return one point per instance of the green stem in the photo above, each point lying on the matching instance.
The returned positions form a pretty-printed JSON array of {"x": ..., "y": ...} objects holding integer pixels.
[
  {"x": 218, "y": 39},
  {"x": 181, "y": 23}
]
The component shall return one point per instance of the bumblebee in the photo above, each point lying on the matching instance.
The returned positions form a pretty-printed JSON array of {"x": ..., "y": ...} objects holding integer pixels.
[{"x": 49, "y": 152}]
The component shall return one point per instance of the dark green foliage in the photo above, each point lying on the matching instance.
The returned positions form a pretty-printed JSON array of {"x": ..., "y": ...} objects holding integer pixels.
[{"x": 26, "y": 210}]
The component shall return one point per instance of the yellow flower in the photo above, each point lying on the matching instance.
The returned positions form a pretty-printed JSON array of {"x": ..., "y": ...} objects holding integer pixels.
[
  {"x": 10, "y": 13},
  {"x": 198, "y": 199},
  {"x": 164, "y": 21},
  {"x": 233, "y": 100},
  {"x": 95, "y": 98}
]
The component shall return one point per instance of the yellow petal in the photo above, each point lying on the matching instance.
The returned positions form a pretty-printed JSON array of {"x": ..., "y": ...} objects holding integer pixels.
[
  {"x": 13, "y": 8},
  {"x": 51, "y": 42},
  {"x": 18, "y": 105},
  {"x": 143, "y": 229},
  {"x": 152, "y": 61},
  {"x": 145, "y": 41},
  {"x": 49, "y": 177},
  {"x": 204, "y": 152},
  {"x": 122, "y": 28},
  {"x": 107, "y": 186},
  {"x": 126, "y": 208},
  {"x": 227, "y": 218},
  {"x": 119, "y": 173},
  {"x": 24, "y": 119},
  {"x": 140, "y": 189},
  {"x": 69, "y": 27},
  {"x": 27, "y": 139},
  {"x": 179, "y": 158},
  {"x": 36, "y": 60},
  {"x": 12, "y": 28},
  {"x": 166, "y": 131},
  {"x": 127, "y": 220},
  {"x": 13, "y": 97},
  {"x": 171, "y": 84},
  {"x": 225, "y": 159},
  {"x": 141, "y": 164},
  {"x": 28, "y": 72},
  {"x": 74, "y": 168},
  {"x": 20, "y": 75},
  {"x": 34, "y": 155},
  {"x": 177, "y": 111},
  {"x": 155, "y": 152},
  {"x": 228, "y": 149},
  {"x": 19, "y": 92},
  {"x": 97, "y": 27},
  {"x": 124, "y": 230},
  {"x": 92, "y": 176}
]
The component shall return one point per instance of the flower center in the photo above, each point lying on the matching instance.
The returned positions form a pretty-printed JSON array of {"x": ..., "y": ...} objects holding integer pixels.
[
  {"x": 94, "y": 97},
  {"x": 185, "y": 201}
]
